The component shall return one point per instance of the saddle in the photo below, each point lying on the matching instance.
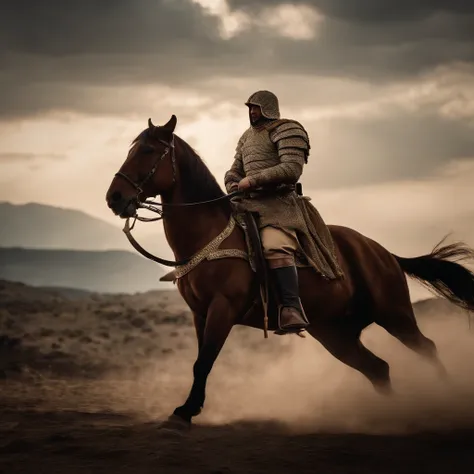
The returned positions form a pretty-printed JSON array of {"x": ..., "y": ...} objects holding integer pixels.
[{"x": 248, "y": 222}]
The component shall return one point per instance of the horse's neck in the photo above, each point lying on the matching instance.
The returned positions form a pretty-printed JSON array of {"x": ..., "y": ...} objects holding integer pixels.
[{"x": 189, "y": 229}]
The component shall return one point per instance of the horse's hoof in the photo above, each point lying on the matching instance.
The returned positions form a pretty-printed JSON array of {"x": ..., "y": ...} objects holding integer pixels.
[{"x": 175, "y": 424}]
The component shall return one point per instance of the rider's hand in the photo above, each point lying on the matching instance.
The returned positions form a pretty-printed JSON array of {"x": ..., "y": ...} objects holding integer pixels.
[{"x": 244, "y": 184}]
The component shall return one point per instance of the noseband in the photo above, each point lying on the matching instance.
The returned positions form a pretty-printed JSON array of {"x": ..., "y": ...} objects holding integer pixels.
[{"x": 139, "y": 186}]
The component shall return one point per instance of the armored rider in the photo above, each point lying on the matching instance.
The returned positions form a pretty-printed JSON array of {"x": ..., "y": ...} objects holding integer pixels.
[{"x": 270, "y": 156}]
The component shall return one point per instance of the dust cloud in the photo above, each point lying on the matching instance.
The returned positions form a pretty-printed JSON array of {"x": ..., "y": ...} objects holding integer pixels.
[{"x": 298, "y": 383}]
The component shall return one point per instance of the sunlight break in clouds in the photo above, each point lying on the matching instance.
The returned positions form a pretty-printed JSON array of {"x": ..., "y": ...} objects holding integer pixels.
[
  {"x": 297, "y": 22},
  {"x": 231, "y": 23}
]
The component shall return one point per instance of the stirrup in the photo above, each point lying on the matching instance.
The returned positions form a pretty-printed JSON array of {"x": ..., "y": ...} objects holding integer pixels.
[{"x": 297, "y": 332}]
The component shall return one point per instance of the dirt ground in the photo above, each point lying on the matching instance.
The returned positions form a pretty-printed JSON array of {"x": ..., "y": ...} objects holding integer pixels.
[
  {"x": 74, "y": 441},
  {"x": 86, "y": 382}
]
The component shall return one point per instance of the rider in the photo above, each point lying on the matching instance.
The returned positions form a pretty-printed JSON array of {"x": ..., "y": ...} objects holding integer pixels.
[{"x": 270, "y": 155}]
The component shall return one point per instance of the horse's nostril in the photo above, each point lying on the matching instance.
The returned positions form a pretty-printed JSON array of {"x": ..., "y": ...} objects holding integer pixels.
[{"x": 116, "y": 196}]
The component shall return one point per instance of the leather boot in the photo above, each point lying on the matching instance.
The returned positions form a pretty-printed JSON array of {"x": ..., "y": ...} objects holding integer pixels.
[{"x": 292, "y": 317}]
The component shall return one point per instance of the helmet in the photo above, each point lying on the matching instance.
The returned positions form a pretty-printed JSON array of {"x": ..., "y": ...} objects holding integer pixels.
[{"x": 268, "y": 103}]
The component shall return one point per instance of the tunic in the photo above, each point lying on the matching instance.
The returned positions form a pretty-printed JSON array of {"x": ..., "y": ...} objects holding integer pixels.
[{"x": 271, "y": 155}]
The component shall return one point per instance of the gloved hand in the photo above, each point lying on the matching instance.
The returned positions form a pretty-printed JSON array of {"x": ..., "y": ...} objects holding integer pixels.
[{"x": 244, "y": 184}]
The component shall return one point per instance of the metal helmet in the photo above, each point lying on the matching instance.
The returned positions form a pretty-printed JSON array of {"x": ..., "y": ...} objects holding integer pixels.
[{"x": 268, "y": 103}]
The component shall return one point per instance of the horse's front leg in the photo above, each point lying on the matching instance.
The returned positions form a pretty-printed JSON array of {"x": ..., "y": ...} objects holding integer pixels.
[
  {"x": 219, "y": 321},
  {"x": 199, "y": 325}
]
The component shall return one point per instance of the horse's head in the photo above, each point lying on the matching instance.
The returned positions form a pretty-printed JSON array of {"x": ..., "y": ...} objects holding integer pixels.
[{"x": 148, "y": 170}]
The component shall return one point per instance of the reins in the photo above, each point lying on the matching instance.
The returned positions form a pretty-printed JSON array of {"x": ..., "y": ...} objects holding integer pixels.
[
  {"x": 154, "y": 206},
  {"x": 184, "y": 204}
]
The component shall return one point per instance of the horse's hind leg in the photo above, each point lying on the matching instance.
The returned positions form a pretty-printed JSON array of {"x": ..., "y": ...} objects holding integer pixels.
[
  {"x": 403, "y": 326},
  {"x": 346, "y": 346}
]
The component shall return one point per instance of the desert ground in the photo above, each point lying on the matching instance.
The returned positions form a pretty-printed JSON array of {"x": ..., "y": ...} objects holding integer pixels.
[{"x": 87, "y": 379}]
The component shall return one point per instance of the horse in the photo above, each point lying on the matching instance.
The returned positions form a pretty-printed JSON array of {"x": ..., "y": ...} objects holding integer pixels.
[{"x": 222, "y": 292}]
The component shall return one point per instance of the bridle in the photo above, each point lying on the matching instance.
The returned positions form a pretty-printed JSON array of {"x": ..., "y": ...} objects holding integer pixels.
[
  {"x": 155, "y": 206},
  {"x": 150, "y": 205},
  {"x": 139, "y": 186}
]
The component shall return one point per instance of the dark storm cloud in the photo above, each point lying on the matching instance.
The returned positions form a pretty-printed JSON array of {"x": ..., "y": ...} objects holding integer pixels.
[
  {"x": 379, "y": 40},
  {"x": 100, "y": 42},
  {"x": 57, "y": 28},
  {"x": 52, "y": 51}
]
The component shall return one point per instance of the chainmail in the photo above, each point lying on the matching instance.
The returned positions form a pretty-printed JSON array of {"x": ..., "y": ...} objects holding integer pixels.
[
  {"x": 268, "y": 103},
  {"x": 269, "y": 155},
  {"x": 273, "y": 155}
]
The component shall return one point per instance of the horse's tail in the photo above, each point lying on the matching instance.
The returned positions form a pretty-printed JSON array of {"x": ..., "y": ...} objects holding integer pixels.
[{"x": 442, "y": 276}]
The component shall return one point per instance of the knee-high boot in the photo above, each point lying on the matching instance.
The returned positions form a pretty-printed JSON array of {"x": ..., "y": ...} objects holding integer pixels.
[{"x": 292, "y": 317}]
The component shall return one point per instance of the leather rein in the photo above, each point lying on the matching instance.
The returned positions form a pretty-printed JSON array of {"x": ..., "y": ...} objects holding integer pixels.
[{"x": 154, "y": 206}]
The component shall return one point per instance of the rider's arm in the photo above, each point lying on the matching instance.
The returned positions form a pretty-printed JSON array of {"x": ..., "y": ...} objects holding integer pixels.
[
  {"x": 236, "y": 172},
  {"x": 292, "y": 145},
  {"x": 288, "y": 171}
]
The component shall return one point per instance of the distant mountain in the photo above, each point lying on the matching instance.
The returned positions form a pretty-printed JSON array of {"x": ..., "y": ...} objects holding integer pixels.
[
  {"x": 38, "y": 226},
  {"x": 97, "y": 271}
]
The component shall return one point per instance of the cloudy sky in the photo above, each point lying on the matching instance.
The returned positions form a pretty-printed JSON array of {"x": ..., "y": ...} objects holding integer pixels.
[{"x": 385, "y": 88}]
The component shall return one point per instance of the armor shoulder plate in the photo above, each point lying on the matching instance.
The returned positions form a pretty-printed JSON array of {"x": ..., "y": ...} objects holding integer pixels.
[{"x": 288, "y": 135}]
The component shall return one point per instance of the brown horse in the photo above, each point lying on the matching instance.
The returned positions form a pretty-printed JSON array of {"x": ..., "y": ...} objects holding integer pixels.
[{"x": 220, "y": 293}]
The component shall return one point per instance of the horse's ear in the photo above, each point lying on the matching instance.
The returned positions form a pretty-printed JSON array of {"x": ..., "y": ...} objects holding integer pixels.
[
  {"x": 150, "y": 123},
  {"x": 171, "y": 124}
]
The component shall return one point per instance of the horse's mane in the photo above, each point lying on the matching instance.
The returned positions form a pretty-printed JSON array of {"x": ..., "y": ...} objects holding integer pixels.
[
  {"x": 198, "y": 183},
  {"x": 139, "y": 138}
]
